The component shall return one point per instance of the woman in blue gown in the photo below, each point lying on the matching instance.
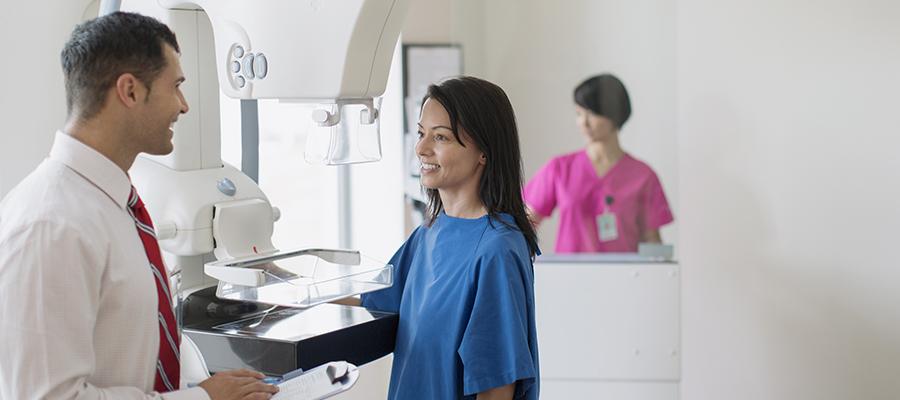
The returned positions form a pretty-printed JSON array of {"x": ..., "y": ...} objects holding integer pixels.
[{"x": 464, "y": 280}]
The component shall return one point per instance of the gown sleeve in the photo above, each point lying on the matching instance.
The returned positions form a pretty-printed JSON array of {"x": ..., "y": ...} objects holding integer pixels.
[
  {"x": 655, "y": 211},
  {"x": 540, "y": 192},
  {"x": 496, "y": 348},
  {"x": 389, "y": 299}
]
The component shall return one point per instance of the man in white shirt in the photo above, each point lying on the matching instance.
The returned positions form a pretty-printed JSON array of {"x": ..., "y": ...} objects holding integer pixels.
[{"x": 79, "y": 301}]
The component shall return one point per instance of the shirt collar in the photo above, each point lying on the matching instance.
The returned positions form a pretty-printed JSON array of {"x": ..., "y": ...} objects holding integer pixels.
[{"x": 93, "y": 166}]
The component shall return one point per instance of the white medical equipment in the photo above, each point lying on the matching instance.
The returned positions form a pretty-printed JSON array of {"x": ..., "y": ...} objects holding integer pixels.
[
  {"x": 213, "y": 222},
  {"x": 332, "y": 53}
]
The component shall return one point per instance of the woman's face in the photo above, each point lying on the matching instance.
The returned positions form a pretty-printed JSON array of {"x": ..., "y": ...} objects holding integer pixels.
[
  {"x": 446, "y": 164},
  {"x": 595, "y": 128}
]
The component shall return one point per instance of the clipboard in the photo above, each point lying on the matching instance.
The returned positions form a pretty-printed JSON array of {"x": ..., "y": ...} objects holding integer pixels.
[{"x": 318, "y": 383}]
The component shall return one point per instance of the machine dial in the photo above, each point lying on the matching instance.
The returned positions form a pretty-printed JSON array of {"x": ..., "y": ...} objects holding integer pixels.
[
  {"x": 226, "y": 186},
  {"x": 260, "y": 66},
  {"x": 248, "y": 66},
  {"x": 237, "y": 51}
]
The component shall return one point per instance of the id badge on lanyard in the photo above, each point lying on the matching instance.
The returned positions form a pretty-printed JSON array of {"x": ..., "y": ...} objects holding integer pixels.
[{"x": 607, "y": 226}]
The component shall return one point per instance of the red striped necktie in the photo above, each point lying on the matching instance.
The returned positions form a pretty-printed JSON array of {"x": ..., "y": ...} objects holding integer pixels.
[{"x": 168, "y": 370}]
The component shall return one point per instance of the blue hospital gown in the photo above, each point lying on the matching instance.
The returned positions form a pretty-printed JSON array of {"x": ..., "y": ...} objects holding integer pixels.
[{"x": 464, "y": 289}]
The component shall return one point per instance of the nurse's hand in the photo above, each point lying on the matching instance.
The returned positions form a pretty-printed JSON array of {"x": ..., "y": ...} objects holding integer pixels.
[
  {"x": 238, "y": 384},
  {"x": 534, "y": 217},
  {"x": 651, "y": 236}
]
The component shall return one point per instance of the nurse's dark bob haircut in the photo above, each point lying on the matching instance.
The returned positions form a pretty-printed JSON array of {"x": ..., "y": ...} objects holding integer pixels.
[
  {"x": 605, "y": 95},
  {"x": 482, "y": 110}
]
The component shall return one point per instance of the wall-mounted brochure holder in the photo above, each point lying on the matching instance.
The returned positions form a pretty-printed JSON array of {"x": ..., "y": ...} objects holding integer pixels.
[
  {"x": 345, "y": 132},
  {"x": 300, "y": 278}
]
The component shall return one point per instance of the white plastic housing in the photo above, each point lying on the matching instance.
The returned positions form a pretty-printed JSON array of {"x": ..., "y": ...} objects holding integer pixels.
[
  {"x": 186, "y": 199},
  {"x": 315, "y": 49},
  {"x": 242, "y": 228},
  {"x": 197, "y": 136}
]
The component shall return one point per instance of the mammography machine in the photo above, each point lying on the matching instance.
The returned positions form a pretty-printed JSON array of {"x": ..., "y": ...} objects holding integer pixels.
[{"x": 243, "y": 302}]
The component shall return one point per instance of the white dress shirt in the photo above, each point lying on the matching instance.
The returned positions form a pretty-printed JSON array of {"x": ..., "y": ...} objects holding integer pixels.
[{"x": 78, "y": 300}]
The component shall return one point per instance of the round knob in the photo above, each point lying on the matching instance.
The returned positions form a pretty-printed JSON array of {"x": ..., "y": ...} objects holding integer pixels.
[
  {"x": 276, "y": 214},
  {"x": 226, "y": 186},
  {"x": 320, "y": 116},
  {"x": 248, "y": 66},
  {"x": 237, "y": 51},
  {"x": 260, "y": 66},
  {"x": 166, "y": 230}
]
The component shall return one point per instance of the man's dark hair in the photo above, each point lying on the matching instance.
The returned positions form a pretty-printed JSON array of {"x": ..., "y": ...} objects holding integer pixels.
[
  {"x": 605, "y": 95},
  {"x": 482, "y": 109},
  {"x": 104, "y": 48}
]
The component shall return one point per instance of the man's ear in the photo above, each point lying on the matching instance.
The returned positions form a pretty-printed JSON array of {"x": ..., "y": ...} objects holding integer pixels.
[{"x": 129, "y": 89}]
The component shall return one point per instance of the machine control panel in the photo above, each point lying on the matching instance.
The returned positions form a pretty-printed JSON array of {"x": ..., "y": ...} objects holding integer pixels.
[{"x": 246, "y": 66}]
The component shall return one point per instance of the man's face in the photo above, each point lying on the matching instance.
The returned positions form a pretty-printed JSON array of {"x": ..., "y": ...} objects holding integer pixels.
[{"x": 161, "y": 108}]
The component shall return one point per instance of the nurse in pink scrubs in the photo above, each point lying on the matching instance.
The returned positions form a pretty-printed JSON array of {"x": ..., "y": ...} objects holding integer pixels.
[{"x": 608, "y": 201}]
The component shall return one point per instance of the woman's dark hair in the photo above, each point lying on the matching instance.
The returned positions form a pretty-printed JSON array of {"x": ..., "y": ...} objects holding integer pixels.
[
  {"x": 605, "y": 95},
  {"x": 104, "y": 48},
  {"x": 482, "y": 109}
]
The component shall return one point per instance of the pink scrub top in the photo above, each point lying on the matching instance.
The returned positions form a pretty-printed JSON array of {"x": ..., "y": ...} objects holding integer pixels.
[{"x": 570, "y": 183}]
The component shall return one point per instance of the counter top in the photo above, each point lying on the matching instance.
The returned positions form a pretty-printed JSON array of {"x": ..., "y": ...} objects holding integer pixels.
[{"x": 602, "y": 258}]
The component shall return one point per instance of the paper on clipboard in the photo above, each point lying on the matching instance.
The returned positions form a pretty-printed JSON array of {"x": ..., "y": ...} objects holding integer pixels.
[{"x": 318, "y": 383}]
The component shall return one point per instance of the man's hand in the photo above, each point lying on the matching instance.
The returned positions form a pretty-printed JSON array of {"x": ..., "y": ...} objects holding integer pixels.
[{"x": 240, "y": 384}]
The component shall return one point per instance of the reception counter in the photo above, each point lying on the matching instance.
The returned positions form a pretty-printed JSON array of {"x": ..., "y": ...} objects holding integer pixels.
[{"x": 608, "y": 326}]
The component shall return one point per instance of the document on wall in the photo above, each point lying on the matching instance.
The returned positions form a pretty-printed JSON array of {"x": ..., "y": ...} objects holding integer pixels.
[{"x": 318, "y": 383}]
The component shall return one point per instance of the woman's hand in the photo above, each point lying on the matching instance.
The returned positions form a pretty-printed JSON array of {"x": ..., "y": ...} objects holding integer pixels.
[{"x": 498, "y": 393}]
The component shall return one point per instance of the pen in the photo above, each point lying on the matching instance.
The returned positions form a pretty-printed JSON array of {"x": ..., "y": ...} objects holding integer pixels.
[
  {"x": 293, "y": 374},
  {"x": 271, "y": 380}
]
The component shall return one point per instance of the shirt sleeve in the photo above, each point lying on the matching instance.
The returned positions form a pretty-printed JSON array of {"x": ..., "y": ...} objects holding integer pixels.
[
  {"x": 540, "y": 192},
  {"x": 50, "y": 290},
  {"x": 389, "y": 299},
  {"x": 496, "y": 347},
  {"x": 655, "y": 211}
]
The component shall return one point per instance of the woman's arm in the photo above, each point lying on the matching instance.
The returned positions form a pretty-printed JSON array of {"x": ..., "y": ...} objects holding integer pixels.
[
  {"x": 349, "y": 301},
  {"x": 498, "y": 393},
  {"x": 651, "y": 236}
]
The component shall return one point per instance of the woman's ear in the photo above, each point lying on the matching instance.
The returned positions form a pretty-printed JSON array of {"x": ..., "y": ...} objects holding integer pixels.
[{"x": 482, "y": 159}]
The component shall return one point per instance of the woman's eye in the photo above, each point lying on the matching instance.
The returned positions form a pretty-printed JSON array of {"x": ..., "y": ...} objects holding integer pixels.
[
  {"x": 420, "y": 134},
  {"x": 440, "y": 138}
]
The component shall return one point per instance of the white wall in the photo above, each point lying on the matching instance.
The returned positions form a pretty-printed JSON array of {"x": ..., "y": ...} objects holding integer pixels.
[
  {"x": 539, "y": 51},
  {"x": 32, "y": 102},
  {"x": 790, "y": 186},
  {"x": 458, "y": 21}
]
